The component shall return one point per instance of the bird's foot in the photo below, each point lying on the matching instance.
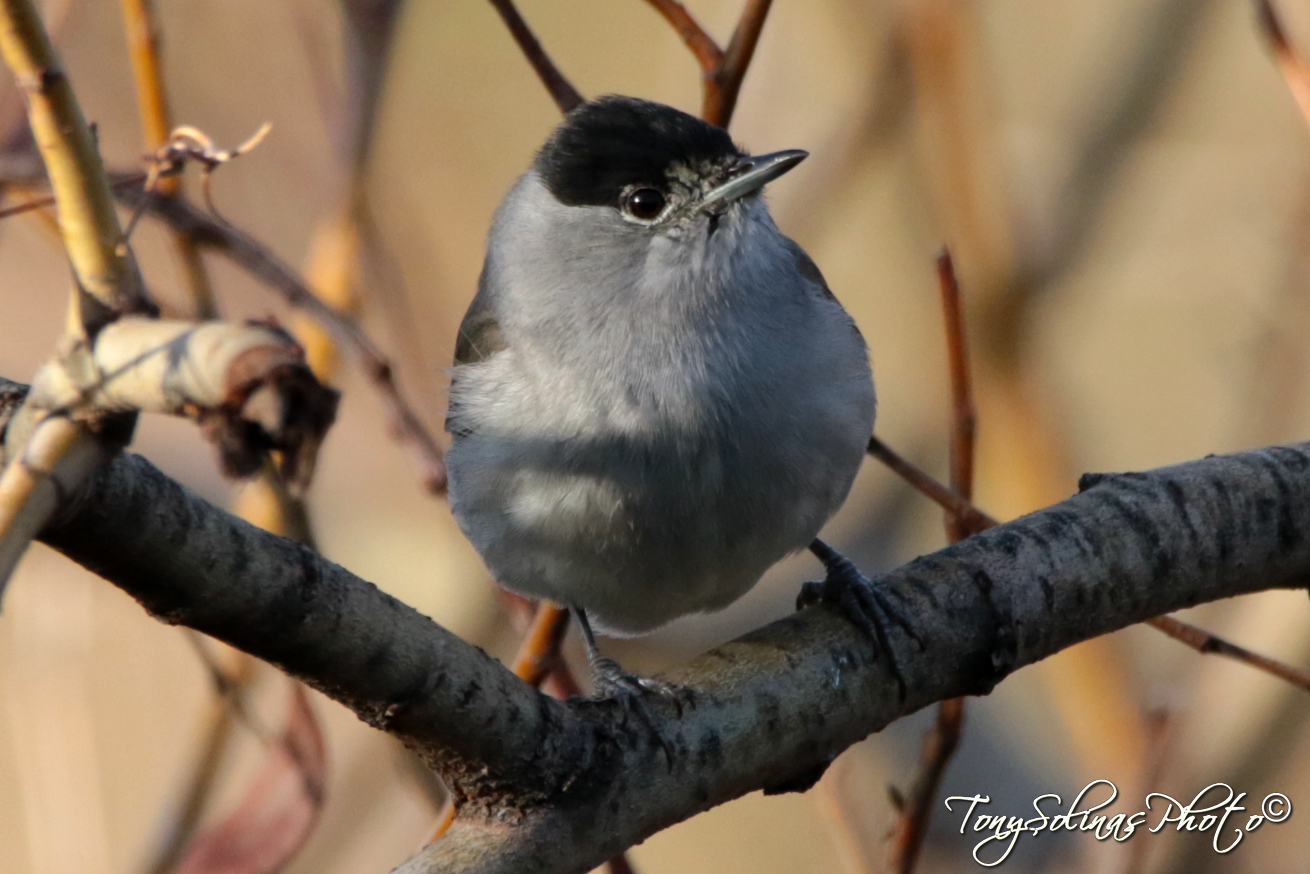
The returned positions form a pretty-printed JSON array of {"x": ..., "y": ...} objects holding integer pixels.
[
  {"x": 860, "y": 601},
  {"x": 631, "y": 691},
  {"x": 611, "y": 681}
]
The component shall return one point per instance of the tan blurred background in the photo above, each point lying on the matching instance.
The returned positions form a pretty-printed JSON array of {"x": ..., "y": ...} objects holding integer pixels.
[{"x": 1127, "y": 191}]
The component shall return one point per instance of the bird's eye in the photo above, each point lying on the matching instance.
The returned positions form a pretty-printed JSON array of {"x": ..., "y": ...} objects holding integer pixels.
[{"x": 644, "y": 203}]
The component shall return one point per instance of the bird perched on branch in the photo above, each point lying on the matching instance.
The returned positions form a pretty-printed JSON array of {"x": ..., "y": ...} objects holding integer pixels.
[{"x": 655, "y": 395}]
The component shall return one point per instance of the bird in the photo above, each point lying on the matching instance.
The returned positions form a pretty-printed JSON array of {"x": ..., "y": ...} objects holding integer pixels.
[{"x": 655, "y": 396}]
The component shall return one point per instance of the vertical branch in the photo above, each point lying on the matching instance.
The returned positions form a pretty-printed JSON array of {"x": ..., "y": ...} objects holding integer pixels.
[
  {"x": 332, "y": 268},
  {"x": 57, "y": 453},
  {"x": 565, "y": 95},
  {"x": 141, "y": 21},
  {"x": 722, "y": 89},
  {"x": 83, "y": 201},
  {"x": 964, "y": 413},
  {"x": 941, "y": 740}
]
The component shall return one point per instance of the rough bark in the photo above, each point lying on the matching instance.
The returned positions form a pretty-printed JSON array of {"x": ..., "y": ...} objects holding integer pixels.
[{"x": 558, "y": 786}]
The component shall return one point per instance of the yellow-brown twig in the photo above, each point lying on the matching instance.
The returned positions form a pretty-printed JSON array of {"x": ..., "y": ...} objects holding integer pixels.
[
  {"x": 83, "y": 200},
  {"x": 141, "y": 22},
  {"x": 108, "y": 284},
  {"x": 59, "y": 453},
  {"x": 539, "y": 653}
]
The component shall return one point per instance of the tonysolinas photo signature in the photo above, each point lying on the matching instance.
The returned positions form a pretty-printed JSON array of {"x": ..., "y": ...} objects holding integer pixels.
[{"x": 1217, "y": 808}]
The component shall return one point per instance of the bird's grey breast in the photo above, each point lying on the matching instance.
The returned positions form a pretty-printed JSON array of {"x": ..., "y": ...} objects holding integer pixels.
[{"x": 659, "y": 411}]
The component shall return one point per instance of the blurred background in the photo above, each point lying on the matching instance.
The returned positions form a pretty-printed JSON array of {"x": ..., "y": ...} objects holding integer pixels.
[{"x": 1125, "y": 187}]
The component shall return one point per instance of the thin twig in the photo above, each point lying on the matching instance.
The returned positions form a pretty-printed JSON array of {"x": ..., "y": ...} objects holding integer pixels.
[
  {"x": 257, "y": 260},
  {"x": 620, "y": 865},
  {"x": 131, "y": 181},
  {"x": 217, "y": 735},
  {"x": 951, "y": 502},
  {"x": 539, "y": 652},
  {"x": 721, "y": 91},
  {"x": 939, "y": 744},
  {"x": 1292, "y": 66},
  {"x": 141, "y": 21},
  {"x": 940, "y": 741},
  {"x": 939, "y": 494},
  {"x": 964, "y": 414},
  {"x": 702, "y": 45},
  {"x": 1204, "y": 642},
  {"x": 565, "y": 95}
]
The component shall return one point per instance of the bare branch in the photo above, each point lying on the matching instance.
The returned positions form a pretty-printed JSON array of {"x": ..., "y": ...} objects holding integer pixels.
[
  {"x": 964, "y": 415},
  {"x": 141, "y": 22},
  {"x": 943, "y": 737},
  {"x": 935, "y": 753},
  {"x": 1202, "y": 641},
  {"x": 578, "y": 781},
  {"x": 538, "y": 655},
  {"x": 256, "y": 259},
  {"x": 702, "y": 45},
  {"x": 721, "y": 92},
  {"x": 565, "y": 95},
  {"x": 1206, "y": 643},
  {"x": 939, "y": 494},
  {"x": 63, "y": 450}
]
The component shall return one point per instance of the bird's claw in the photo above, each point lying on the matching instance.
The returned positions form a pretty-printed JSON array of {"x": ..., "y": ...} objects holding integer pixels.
[
  {"x": 632, "y": 692},
  {"x": 860, "y": 601}
]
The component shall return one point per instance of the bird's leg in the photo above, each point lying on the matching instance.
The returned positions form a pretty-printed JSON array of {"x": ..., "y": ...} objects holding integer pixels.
[
  {"x": 859, "y": 600},
  {"x": 611, "y": 681}
]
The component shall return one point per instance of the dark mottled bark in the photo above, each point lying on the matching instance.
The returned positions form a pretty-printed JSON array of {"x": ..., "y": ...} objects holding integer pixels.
[{"x": 562, "y": 786}]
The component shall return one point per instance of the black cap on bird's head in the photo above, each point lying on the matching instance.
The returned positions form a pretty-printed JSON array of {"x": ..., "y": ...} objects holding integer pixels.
[
  {"x": 609, "y": 147},
  {"x": 615, "y": 142}
]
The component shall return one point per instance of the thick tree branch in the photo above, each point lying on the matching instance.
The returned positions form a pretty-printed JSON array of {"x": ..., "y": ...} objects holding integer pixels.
[
  {"x": 546, "y": 785},
  {"x": 191, "y": 563}
]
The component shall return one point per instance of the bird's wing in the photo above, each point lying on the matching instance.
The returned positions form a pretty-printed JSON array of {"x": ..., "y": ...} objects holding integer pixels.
[
  {"x": 808, "y": 269},
  {"x": 479, "y": 334},
  {"x": 479, "y": 338}
]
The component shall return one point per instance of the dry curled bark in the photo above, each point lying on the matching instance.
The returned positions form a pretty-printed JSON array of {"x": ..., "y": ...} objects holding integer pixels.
[{"x": 546, "y": 785}]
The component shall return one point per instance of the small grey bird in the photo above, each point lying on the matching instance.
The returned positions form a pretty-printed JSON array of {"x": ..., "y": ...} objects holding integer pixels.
[{"x": 655, "y": 395}]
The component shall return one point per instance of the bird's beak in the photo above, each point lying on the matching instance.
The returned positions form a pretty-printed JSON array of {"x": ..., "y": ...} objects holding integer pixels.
[{"x": 752, "y": 174}]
